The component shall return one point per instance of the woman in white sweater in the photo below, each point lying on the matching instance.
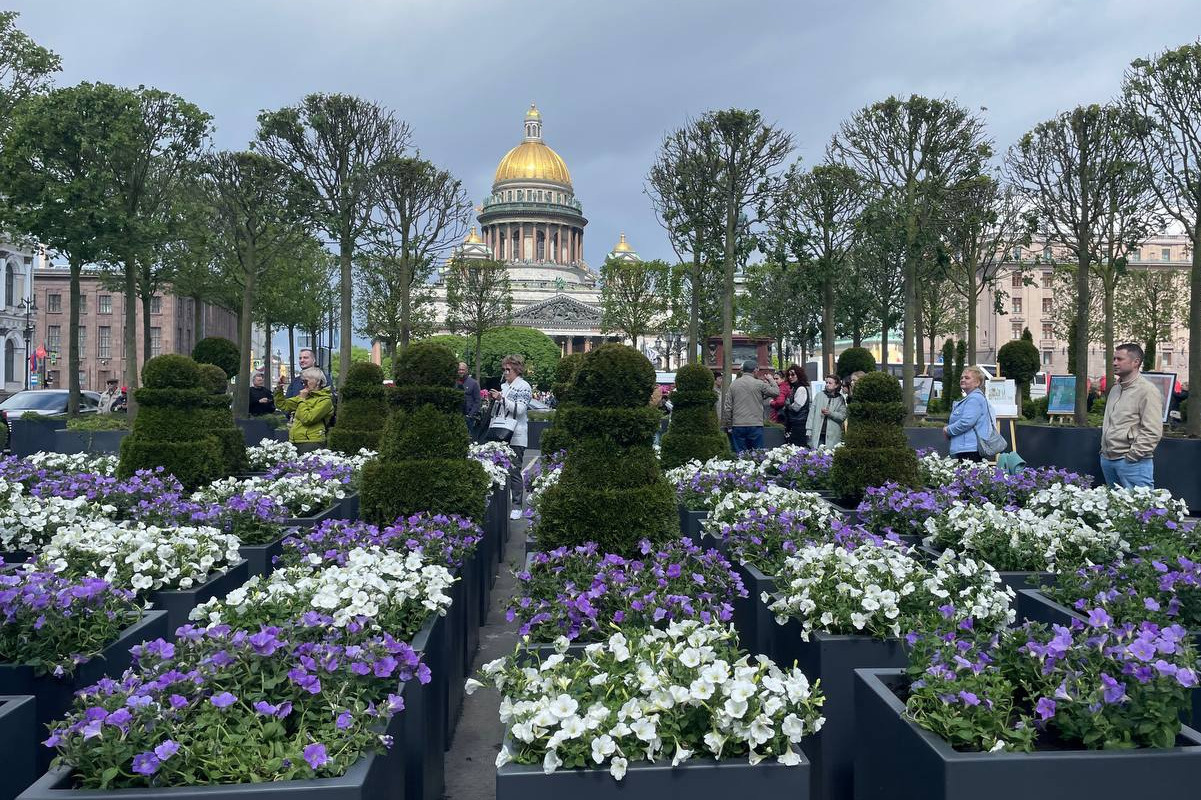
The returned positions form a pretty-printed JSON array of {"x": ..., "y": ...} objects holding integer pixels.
[{"x": 827, "y": 412}]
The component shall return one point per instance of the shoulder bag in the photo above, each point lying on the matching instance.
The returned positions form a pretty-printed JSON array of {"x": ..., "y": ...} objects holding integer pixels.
[{"x": 994, "y": 443}]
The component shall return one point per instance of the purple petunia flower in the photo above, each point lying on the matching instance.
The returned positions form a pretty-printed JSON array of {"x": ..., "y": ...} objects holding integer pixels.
[
  {"x": 223, "y": 700},
  {"x": 315, "y": 755},
  {"x": 145, "y": 763},
  {"x": 1045, "y": 708}
]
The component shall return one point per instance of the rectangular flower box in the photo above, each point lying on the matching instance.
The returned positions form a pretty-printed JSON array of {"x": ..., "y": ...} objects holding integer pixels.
[
  {"x": 425, "y": 715},
  {"x": 373, "y": 776},
  {"x": 260, "y": 558},
  {"x": 691, "y": 523},
  {"x": 847, "y": 511},
  {"x": 19, "y": 735},
  {"x": 53, "y": 696},
  {"x": 15, "y": 556},
  {"x": 178, "y": 603},
  {"x": 833, "y": 659},
  {"x": 696, "y": 779},
  {"x": 1015, "y": 579},
  {"x": 348, "y": 507},
  {"x": 895, "y": 758},
  {"x": 755, "y": 623},
  {"x": 456, "y": 648},
  {"x": 314, "y": 519}
]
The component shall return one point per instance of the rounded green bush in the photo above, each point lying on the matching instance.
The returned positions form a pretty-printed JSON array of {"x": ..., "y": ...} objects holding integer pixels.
[
  {"x": 555, "y": 438},
  {"x": 446, "y": 399},
  {"x": 394, "y": 489},
  {"x": 616, "y": 426},
  {"x": 614, "y": 376},
  {"x": 171, "y": 371},
  {"x": 855, "y": 359},
  {"x": 214, "y": 378},
  {"x": 615, "y": 518},
  {"x": 692, "y": 378},
  {"x": 877, "y": 387},
  {"x": 364, "y": 373},
  {"x": 423, "y": 434},
  {"x": 220, "y": 351},
  {"x": 427, "y": 364},
  {"x": 567, "y": 367}
]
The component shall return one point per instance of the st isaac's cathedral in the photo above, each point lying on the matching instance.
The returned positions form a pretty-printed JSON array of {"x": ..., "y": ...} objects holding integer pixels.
[{"x": 533, "y": 222}]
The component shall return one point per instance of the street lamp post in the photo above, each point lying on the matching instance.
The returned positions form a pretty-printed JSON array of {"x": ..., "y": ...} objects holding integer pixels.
[{"x": 30, "y": 305}]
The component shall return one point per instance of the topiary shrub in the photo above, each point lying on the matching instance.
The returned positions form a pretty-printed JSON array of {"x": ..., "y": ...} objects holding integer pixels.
[
  {"x": 555, "y": 438},
  {"x": 694, "y": 431},
  {"x": 220, "y": 351},
  {"x": 214, "y": 378},
  {"x": 362, "y": 409},
  {"x": 1021, "y": 361},
  {"x": 215, "y": 414},
  {"x": 422, "y": 463},
  {"x": 611, "y": 490},
  {"x": 175, "y": 427},
  {"x": 874, "y": 449},
  {"x": 855, "y": 359}
]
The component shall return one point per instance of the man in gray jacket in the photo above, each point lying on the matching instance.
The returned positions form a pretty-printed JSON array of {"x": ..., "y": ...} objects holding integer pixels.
[
  {"x": 742, "y": 407},
  {"x": 1133, "y": 422}
]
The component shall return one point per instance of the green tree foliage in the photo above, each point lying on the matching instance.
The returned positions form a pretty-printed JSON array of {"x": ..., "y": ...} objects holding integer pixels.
[
  {"x": 612, "y": 490},
  {"x": 960, "y": 363},
  {"x": 877, "y": 263},
  {"x": 26, "y": 68},
  {"x": 634, "y": 294},
  {"x": 423, "y": 464},
  {"x": 478, "y": 299},
  {"x": 783, "y": 303},
  {"x": 1020, "y": 361},
  {"x": 950, "y": 380},
  {"x": 694, "y": 431},
  {"x": 555, "y": 437},
  {"x": 336, "y": 144},
  {"x": 540, "y": 352},
  {"x": 1152, "y": 302},
  {"x": 874, "y": 449},
  {"x": 855, "y": 359},
  {"x": 220, "y": 351},
  {"x": 362, "y": 410}
]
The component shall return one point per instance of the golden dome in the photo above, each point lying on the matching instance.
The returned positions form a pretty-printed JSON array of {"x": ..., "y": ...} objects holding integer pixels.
[
  {"x": 532, "y": 161},
  {"x": 473, "y": 237},
  {"x": 623, "y": 246},
  {"x": 533, "y": 113}
]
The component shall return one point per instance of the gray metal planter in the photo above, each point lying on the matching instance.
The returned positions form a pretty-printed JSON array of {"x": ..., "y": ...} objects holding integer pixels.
[
  {"x": 425, "y": 715},
  {"x": 19, "y": 734},
  {"x": 695, "y": 779},
  {"x": 178, "y": 603},
  {"x": 314, "y": 519},
  {"x": 895, "y": 758},
  {"x": 756, "y": 624},
  {"x": 349, "y": 507},
  {"x": 260, "y": 558},
  {"x": 833, "y": 659},
  {"x": 1016, "y": 579},
  {"x": 691, "y": 523}
]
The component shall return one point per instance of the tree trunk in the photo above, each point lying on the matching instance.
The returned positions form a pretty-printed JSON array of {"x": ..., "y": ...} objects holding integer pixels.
[
  {"x": 1110, "y": 287},
  {"x": 907, "y": 328},
  {"x": 406, "y": 284},
  {"x": 145, "y": 300},
  {"x": 344, "y": 346},
  {"x": 694, "y": 311},
  {"x": 479, "y": 335},
  {"x": 131, "y": 334},
  {"x": 1082, "y": 271},
  {"x": 267, "y": 347},
  {"x": 828, "y": 324},
  {"x": 919, "y": 335},
  {"x": 932, "y": 349},
  {"x": 856, "y": 339},
  {"x": 884, "y": 343},
  {"x": 291, "y": 351},
  {"x": 73, "y": 386},
  {"x": 727, "y": 301},
  {"x": 197, "y": 320},
  {"x": 1193, "y": 426},
  {"x": 972, "y": 297},
  {"x": 242, "y": 383}
]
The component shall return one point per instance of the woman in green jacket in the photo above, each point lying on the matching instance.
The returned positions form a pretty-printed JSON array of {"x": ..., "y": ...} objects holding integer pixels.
[{"x": 311, "y": 409}]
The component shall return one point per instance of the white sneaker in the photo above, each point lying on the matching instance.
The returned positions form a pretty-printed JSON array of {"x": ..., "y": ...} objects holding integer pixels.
[{"x": 515, "y": 514}]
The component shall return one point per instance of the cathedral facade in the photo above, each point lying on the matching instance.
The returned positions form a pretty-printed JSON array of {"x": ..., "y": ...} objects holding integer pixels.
[{"x": 533, "y": 222}]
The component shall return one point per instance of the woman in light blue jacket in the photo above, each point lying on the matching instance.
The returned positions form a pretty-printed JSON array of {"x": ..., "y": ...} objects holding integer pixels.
[{"x": 970, "y": 417}]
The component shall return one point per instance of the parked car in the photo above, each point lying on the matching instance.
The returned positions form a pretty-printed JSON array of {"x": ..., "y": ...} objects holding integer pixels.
[{"x": 47, "y": 403}]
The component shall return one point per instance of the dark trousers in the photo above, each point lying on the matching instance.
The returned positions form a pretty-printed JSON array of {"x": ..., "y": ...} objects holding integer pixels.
[
  {"x": 516, "y": 481},
  {"x": 967, "y": 457}
]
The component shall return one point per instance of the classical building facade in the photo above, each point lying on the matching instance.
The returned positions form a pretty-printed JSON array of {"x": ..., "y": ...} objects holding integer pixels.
[
  {"x": 18, "y": 315},
  {"x": 533, "y": 222}
]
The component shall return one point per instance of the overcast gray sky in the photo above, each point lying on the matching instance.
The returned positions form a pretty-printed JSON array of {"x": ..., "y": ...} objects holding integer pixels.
[{"x": 611, "y": 76}]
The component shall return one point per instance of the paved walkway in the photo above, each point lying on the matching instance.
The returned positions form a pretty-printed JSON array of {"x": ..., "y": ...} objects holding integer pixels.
[{"x": 471, "y": 762}]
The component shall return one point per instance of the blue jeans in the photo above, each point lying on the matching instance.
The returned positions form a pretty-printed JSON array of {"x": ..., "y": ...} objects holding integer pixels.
[
  {"x": 747, "y": 437},
  {"x": 1120, "y": 472}
]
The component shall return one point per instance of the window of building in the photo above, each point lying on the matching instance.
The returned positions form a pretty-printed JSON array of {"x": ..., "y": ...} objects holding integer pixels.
[
  {"x": 10, "y": 360},
  {"x": 1166, "y": 253},
  {"x": 1016, "y": 280},
  {"x": 1048, "y": 355},
  {"x": 1048, "y": 280},
  {"x": 54, "y": 303},
  {"x": 156, "y": 304},
  {"x": 105, "y": 302},
  {"x": 1048, "y": 331},
  {"x": 520, "y": 194},
  {"x": 1047, "y": 253},
  {"x": 83, "y": 304},
  {"x": 54, "y": 337},
  {"x": 1017, "y": 254},
  {"x": 104, "y": 342},
  {"x": 1017, "y": 305},
  {"x": 1048, "y": 305},
  {"x": 52, "y": 378},
  {"x": 10, "y": 285},
  {"x": 156, "y": 341},
  {"x": 1135, "y": 255},
  {"x": 1166, "y": 358},
  {"x": 83, "y": 342},
  {"x": 1017, "y": 330}
]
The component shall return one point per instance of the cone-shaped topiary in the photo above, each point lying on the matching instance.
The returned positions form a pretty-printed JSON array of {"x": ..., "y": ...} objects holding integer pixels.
[
  {"x": 422, "y": 463},
  {"x": 171, "y": 429},
  {"x": 874, "y": 449},
  {"x": 555, "y": 438},
  {"x": 694, "y": 431},
  {"x": 216, "y": 415},
  {"x": 362, "y": 409},
  {"x": 611, "y": 490}
]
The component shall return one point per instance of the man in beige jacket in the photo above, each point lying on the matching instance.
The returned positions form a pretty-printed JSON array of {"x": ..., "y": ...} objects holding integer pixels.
[
  {"x": 742, "y": 407},
  {"x": 1133, "y": 422}
]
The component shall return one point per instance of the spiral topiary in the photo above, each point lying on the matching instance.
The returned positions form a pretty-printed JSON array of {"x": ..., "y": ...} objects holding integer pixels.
[
  {"x": 362, "y": 409},
  {"x": 694, "y": 431},
  {"x": 422, "y": 463},
  {"x": 874, "y": 449},
  {"x": 174, "y": 427},
  {"x": 611, "y": 490},
  {"x": 555, "y": 438}
]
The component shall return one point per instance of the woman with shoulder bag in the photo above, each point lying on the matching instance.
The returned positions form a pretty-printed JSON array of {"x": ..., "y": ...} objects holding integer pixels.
[
  {"x": 828, "y": 412},
  {"x": 796, "y": 410},
  {"x": 508, "y": 422},
  {"x": 970, "y": 427}
]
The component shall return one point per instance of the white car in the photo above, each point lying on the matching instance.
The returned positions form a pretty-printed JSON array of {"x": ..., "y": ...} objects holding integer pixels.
[{"x": 47, "y": 403}]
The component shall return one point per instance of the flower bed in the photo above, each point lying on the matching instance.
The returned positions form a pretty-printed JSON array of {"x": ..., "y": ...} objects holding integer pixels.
[
  {"x": 646, "y": 695},
  {"x": 581, "y": 593},
  {"x": 497, "y": 459},
  {"x": 1143, "y": 516}
]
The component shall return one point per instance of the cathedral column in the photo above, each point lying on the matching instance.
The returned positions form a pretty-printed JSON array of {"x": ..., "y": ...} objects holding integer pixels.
[{"x": 570, "y": 344}]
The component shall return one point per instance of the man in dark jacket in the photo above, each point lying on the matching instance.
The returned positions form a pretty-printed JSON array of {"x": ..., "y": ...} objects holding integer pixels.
[{"x": 471, "y": 397}]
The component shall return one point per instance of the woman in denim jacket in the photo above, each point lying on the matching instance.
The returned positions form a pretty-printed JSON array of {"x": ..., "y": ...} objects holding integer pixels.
[{"x": 970, "y": 418}]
